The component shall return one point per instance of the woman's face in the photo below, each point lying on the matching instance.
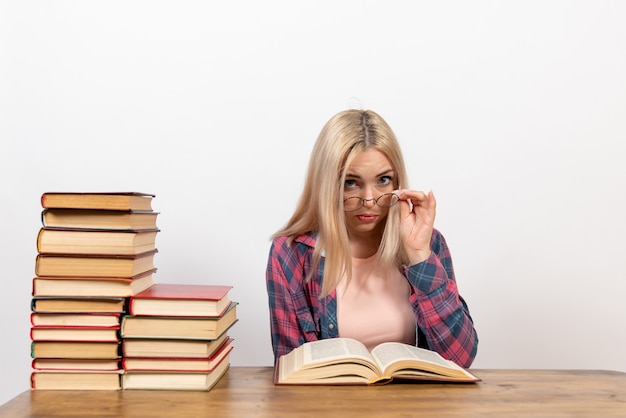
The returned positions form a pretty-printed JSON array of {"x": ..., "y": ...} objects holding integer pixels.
[{"x": 369, "y": 176}]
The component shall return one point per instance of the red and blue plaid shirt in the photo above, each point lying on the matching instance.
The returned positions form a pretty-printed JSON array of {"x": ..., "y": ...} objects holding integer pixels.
[{"x": 298, "y": 314}]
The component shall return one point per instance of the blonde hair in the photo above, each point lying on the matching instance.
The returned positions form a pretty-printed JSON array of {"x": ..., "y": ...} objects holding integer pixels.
[{"x": 320, "y": 208}]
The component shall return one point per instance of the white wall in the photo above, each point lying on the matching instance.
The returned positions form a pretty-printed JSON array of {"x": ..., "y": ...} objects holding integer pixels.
[{"x": 513, "y": 113}]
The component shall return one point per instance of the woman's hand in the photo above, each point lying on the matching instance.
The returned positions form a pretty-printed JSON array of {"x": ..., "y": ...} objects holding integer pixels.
[{"x": 417, "y": 213}]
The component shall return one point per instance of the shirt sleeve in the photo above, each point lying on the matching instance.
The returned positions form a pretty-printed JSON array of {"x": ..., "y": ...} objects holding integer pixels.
[
  {"x": 441, "y": 313},
  {"x": 291, "y": 319}
]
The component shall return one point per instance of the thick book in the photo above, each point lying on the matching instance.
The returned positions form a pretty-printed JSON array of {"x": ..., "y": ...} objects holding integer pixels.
[
  {"x": 345, "y": 361},
  {"x": 75, "y": 319},
  {"x": 75, "y": 380},
  {"x": 168, "y": 299},
  {"x": 201, "y": 328},
  {"x": 177, "y": 364},
  {"x": 99, "y": 219},
  {"x": 95, "y": 241},
  {"x": 76, "y": 364},
  {"x": 167, "y": 348},
  {"x": 97, "y": 334},
  {"x": 94, "y": 265},
  {"x": 78, "y": 304},
  {"x": 97, "y": 200},
  {"x": 201, "y": 381},
  {"x": 92, "y": 286},
  {"x": 75, "y": 349}
]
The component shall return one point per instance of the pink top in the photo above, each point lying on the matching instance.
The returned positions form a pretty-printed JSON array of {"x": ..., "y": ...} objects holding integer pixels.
[{"x": 375, "y": 307}]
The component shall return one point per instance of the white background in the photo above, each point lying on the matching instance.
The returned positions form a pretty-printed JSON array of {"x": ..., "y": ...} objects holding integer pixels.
[{"x": 513, "y": 113}]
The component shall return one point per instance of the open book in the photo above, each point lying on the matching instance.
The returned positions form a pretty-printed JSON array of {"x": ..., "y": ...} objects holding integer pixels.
[{"x": 346, "y": 361}]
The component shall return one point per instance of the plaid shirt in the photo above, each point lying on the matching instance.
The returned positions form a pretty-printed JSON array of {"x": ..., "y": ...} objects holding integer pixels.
[{"x": 298, "y": 314}]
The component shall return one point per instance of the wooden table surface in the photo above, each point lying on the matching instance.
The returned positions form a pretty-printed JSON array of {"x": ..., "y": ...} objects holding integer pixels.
[{"x": 249, "y": 392}]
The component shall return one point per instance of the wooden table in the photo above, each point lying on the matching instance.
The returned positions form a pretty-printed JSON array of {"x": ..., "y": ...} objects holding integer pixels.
[{"x": 249, "y": 392}]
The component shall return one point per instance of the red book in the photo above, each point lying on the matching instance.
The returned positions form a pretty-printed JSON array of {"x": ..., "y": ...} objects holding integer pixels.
[
  {"x": 99, "y": 334},
  {"x": 178, "y": 364},
  {"x": 155, "y": 380},
  {"x": 75, "y": 319},
  {"x": 192, "y": 300},
  {"x": 69, "y": 364}
]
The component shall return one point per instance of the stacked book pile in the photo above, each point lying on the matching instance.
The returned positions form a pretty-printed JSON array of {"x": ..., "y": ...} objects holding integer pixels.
[
  {"x": 175, "y": 337},
  {"x": 95, "y": 250}
]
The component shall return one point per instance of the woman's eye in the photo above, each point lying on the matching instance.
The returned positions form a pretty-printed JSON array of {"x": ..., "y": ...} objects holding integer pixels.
[
  {"x": 350, "y": 184},
  {"x": 385, "y": 180}
]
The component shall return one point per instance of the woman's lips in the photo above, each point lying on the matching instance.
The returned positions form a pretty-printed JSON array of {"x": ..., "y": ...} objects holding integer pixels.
[{"x": 366, "y": 217}]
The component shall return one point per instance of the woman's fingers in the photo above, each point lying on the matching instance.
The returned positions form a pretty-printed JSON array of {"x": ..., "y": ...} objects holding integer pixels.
[
  {"x": 418, "y": 210},
  {"x": 418, "y": 202},
  {"x": 412, "y": 195}
]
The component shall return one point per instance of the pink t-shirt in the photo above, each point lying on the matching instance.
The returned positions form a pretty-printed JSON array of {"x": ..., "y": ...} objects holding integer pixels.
[{"x": 375, "y": 306}]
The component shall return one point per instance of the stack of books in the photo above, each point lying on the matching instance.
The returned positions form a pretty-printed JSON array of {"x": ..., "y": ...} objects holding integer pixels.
[
  {"x": 175, "y": 337},
  {"x": 95, "y": 250}
]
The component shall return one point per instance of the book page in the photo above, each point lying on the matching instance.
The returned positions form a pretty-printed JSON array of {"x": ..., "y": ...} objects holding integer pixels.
[
  {"x": 388, "y": 353},
  {"x": 334, "y": 348}
]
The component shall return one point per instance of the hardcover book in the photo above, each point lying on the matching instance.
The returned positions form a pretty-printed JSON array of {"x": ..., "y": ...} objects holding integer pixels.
[
  {"x": 75, "y": 349},
  {"x": 95, "y": 241},
  {"x": 67, "y": 364},
  {"x": 175, "y": 380},
  {"x": 75, "y": 380},
  {"x": 165, "y": 299},
  {"x": 92, "y": 286},
  {"x": 94, "y": 265},
  {"x": 177, "y": 364},
  {"x": 82, "y": 304},
  {"x": 97, "y": 334},
  {"x": 201, "y": 328},
  {"x": 75, "y": 319},
  {"x": 343, "y": 361},
  {"x": 98, "y": 200},
  {"x": 168, "y": 348},
  {"x": 99, "y": 219}
]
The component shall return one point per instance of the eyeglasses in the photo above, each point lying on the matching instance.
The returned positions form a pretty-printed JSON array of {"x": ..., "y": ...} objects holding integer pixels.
[{"x": 384, "y": 201}]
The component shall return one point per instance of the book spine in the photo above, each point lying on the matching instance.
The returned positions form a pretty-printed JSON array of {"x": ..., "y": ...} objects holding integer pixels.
[{"x": 39, "y": 234}]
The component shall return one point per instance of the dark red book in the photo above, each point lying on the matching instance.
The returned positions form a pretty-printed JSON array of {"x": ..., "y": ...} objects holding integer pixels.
[
  {"x": 76, "y": 364},
  {"x": 73, "y": 333},
  {"x": 178, "y": 364},
  {"x": 75, "y": 319},
  {"x": 170, "y": 299}
]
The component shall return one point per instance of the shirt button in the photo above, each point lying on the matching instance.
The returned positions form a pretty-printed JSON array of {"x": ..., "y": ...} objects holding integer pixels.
[{"x": 331, "y": 326}]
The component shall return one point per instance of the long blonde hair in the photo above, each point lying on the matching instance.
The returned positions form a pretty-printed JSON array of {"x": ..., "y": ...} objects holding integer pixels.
[{"x": 320, "y": 208}]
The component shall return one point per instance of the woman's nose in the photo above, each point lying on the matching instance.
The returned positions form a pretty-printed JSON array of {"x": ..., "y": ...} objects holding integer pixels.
[
  {"x": 369, "y": 203},
  {"x": 368, "y": 198}
]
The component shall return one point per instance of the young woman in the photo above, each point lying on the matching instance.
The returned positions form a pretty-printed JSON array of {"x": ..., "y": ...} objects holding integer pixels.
[{"x": 360, "y": 256}]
